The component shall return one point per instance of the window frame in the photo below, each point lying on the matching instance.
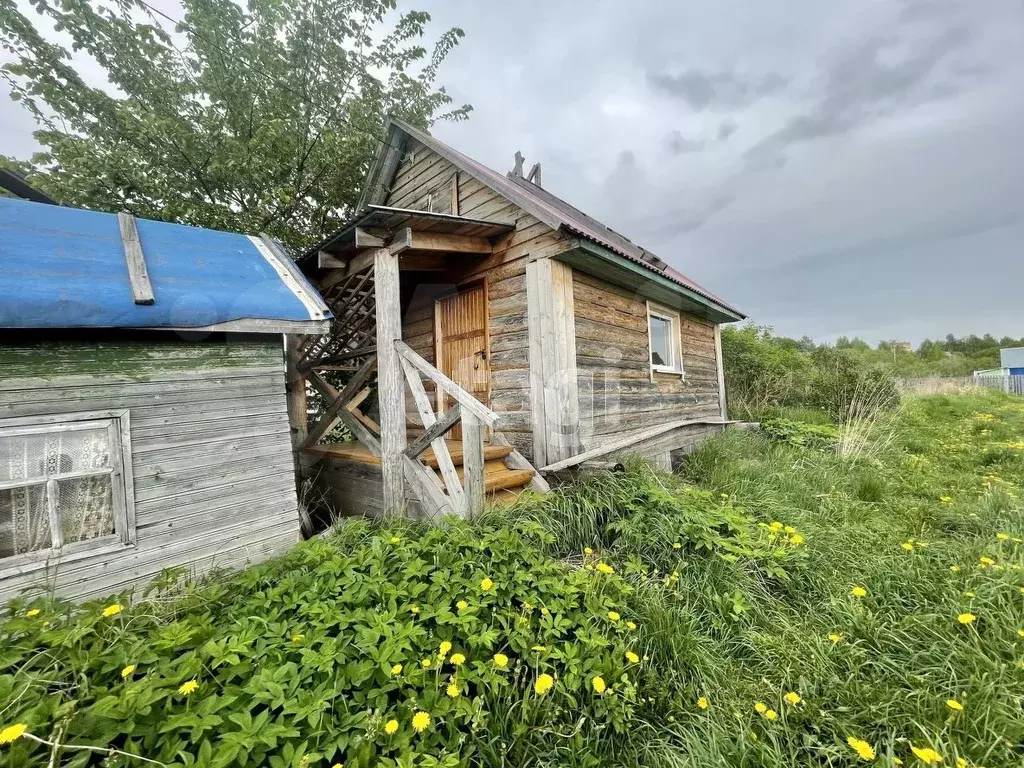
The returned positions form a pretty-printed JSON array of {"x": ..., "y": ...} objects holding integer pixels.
[
  {"x": 118, "y": 425},
  {"x": 675, "y": 336}
]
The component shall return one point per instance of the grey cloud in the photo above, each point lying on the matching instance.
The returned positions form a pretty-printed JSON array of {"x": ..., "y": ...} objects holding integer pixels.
[
  {"x": 678, "y": 144},
  {"x": 726, "y": 129},
  {"x": 702, "y": 89}
]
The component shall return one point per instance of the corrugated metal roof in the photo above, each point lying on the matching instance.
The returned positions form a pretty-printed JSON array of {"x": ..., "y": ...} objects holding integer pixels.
[
  {"x": 557, "y": 213},
  {"x": 65, "y": 268}
]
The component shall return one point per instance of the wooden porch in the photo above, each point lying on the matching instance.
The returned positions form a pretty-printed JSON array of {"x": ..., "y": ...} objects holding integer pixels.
[{"x": 422, "y": 433}]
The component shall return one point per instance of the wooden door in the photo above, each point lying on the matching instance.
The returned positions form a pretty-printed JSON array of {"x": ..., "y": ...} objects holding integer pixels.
[{"x": 462, "y": 345}]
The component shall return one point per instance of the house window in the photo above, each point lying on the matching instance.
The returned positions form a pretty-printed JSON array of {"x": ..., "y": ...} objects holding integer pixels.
[
  {"x": 63, "y": 486},
  {"x": 665, "y": 345}
]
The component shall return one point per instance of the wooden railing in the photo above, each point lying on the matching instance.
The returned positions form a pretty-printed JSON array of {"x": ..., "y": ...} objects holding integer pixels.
[{"x": 465, "y": 496}]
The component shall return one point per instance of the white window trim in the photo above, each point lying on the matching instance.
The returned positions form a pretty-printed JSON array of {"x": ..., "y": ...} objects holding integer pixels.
[
  {"x": 664, "y": 313},
  {"x": 122, "y": 485}
]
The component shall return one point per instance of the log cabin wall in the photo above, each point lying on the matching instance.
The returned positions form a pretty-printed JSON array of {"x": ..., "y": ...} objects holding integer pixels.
[{"x": 617, "y": 392}]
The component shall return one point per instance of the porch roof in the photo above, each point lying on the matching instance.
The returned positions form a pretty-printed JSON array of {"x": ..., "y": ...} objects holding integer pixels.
[{"x": 394, "y": 220}]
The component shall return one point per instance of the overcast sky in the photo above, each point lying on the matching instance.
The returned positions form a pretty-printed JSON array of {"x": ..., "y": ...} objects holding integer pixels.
[{"x": 831, "y": 168}]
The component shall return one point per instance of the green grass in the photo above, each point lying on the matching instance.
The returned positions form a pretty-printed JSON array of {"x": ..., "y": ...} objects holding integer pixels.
[{"x": 729, "y": 580}]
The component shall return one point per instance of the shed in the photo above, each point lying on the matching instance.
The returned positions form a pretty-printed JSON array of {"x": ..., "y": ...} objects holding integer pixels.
[
  {"x": 143, "y": 405},
  {"x": 1012, "y": 360}
]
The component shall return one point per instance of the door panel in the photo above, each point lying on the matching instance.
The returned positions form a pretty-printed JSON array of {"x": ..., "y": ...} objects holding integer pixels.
[{"x": 462, "y": 345}]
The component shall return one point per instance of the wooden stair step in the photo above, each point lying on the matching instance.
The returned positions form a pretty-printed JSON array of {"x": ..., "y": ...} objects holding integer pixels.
[
  {"x": 491, "y": 452},
  {"x": 509, "y": 478}
]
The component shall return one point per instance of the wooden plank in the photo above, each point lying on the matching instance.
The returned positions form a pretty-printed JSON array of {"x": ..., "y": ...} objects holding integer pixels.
[
  {"x": 338, "y": 399},
  {"x": 435, "y": 431},
  {"x": 516, "y": 460},
  {"x": 325, "y": 260},
  {"x": 390, "y": 386},
  {"x": 436, "y": 241},
  {"x": 138, "y": 274},
  {"x": 295, "y": 386},
  {"x": 721, "y": 372},
  {"x": 469, "y": 403},
  {"x": 473, "y": 463},
  {"x": 365, "y": 239}
]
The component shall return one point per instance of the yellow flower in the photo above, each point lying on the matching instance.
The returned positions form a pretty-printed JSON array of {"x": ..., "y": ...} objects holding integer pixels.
[
  {"x": 760, "y": 707},
  {"x": 796, "y": 540},
  {"x": 702, "y": 703},
  {"x": 127, "y": 671},
  {"x": 907, "y": 545},
  {"x": 955, "y": 568},
  {"x": 792, "y": 698},
  {"x": 33, "y": 612},
  {"x": 414, "y": 610},
  {"x": 462, "y": 605},
  {"x": 969, "y": 594},
  {"x": 966, "y": 618},
  {"x": 458, "y": 659},
  {"x": 864, "y": 750},
  {"x": 926, "y": 755},
  {"x": 545, "y": 612},
  {"x": 677, "y": 545},
  {"x": 425, "y": 663},
  {"x": 12, "y": 733},
  {"x": 632, "y": 658},
  {"x": 396, "y": 670},
  {"x": 395, "y": 540},
  {"x": 945, "y": 499},
  {"x": 188, "y": 687},
  {"x": 391, "y": 727},
  {"x": 420, "y": 722},
  {"x": 955, "y": 705},
  {"x": 444, "y": 649},
  {"x": 1020, "y": 632},
  {"x": 297, "y": 638},
  {"x": 631, "y": 625},
  {"x": 961, "y": 762},
  {"x": 111, "y": 610},
  {"x": 604, "y": 568},
  {"x": 986, "y": 561},
  {"x": 896, "y": 761},
  {"x": 452, "y": 690},
  {"x": 859, "y": 592},
  {"x": 771, "y": 714},
  {"x": 486, "y": 584},
  {"x": 1003, "y": 536},
  {"x": 776, "y": 526},
  {"x": 543, "y": 684},
  {"x": 500, "y": 660},
  {"x": 789, "y": 529},
  {"x": 613, "y": 616},
  {"x": 599, "y": 686},
  {"x": 835, "y": 637}
]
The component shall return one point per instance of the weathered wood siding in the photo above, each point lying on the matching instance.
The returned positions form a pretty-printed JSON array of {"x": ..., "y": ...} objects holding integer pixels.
[
  {"x": 504, "y": 273},
  {"x": 211, "y": 451},
  {"x": 617, "y": 394}
]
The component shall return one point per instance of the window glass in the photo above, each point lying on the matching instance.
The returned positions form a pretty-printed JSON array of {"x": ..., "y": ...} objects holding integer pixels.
[
  {"x": 86, "y": 506},
  {"x": 24, "y": 520},
  {"x": 661, "y": 341}
]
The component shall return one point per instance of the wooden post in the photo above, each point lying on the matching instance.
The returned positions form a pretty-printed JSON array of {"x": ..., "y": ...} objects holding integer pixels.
[
  {"x": 473, "y": 463},
  {"x": 721, "y": 370},
  {"x": 390, "y": 382},
  {"x": 295, "y": 385}
]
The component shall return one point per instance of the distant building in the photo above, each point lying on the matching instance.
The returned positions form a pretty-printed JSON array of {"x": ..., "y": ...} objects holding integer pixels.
[{"x": 1012, "y": 361}]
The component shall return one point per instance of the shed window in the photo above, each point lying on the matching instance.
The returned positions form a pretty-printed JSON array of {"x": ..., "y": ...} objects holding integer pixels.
[
  {"x": 663, "y": 329},
  {"x": 62, "y": 487}
]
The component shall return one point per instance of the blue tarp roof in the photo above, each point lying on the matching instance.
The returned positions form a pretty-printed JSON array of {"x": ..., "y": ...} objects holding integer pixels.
[{"x": 65, "y": 268}]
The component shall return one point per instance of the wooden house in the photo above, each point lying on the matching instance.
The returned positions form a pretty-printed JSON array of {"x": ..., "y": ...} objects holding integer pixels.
[
  {"x": 143, "y": 415},
  {"x": 511, "y": 337}
]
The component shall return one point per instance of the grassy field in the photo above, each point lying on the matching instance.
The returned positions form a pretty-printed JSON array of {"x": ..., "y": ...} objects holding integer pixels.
[{"x": 776, "y": 605}]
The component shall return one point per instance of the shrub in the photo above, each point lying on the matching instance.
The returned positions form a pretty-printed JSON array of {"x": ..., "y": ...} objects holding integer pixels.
[{"x": 800, "y": 433}]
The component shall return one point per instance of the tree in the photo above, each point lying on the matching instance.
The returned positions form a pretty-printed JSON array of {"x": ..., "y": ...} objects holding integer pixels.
[{"x": 250, "y": 117}]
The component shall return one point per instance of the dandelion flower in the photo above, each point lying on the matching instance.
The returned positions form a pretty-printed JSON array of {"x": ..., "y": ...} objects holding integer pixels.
[
  {"x": 127, "y": 671},
  {"x": 926, "y": 755},
  {"x": 599, "y": 685},
  {"x": 859, "y": 592},
  {"x": 677, "y": 545},
  {"x": 444, "y": 649},
  {"x": 796, "y": 540},
  {"x": 771, "y": 714},
  {"x": 425, "y": 663},
  {"x": 986, "y": 561},
  {"x": 545, "y": 612},
  {"x": 395, "y": 540},
  {"x": 1020, "y": 632},
  {"x": 776, "y": 526},
  {"x": 613, "y": 616},
  {"x": 33, "y": 612},
  {"x": 414, "y": 610},
  {"x": 631, "y": 625},
  {"x": 792, "y": 698},
  {"x": 420, "y": 722},
  {"x": 835, "y": 637},
  {"x": 604, "y": 568},
  {"x": 486, "y": 584},
  {"x": 539, "y": 648},
  {"x": 457, "y": 659},
  {"x": 760, "y": 707},
  {"x": 500, "y": 660},
  {"x": 907, "y": 545},
  {"x": 945, "y": 499},
  {"x": 462, "y": 605},
  {"x": 702, "y": 702},
  {"x": 12, "y": 733},
  {"x": 1003, "y": 536},
  {"x": 897, "y": 761},
  {"x": 391, "y": 727},
  {"x": 111, "y": 610},
  {"x": 955, "y": 705},
  {"x": 864, "y": 750},
  {"x": 543, "y": 684},
  {"x": 452, "y": 690},
  {"x": 188, "y": 687},
  {"x": 789, "y": 529},
  {"x": 955, "y": 568},
  {"x": 396, "y": 669},
  {"x": 966, "y": 618},
  {"x": 632, "y": 658}
]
